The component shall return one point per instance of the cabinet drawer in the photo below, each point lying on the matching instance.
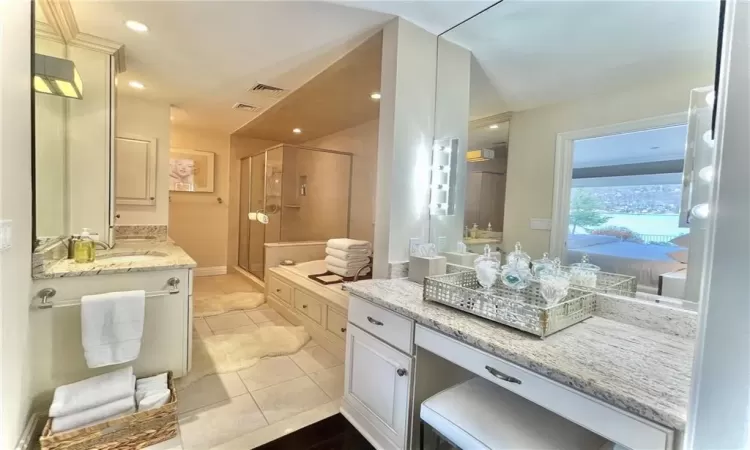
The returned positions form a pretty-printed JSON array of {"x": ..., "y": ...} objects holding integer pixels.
[
  {"x": 612, "y": 423},
  {"x": 336, "y": 323},
  {"x": 308, "y": 306},
  {"x": 280, "y": 289},
  {"x": 388, "y": 326}
]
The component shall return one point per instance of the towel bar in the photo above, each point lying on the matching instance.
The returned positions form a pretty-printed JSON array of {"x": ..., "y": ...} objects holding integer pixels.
[{"x": 47, "y": 293}]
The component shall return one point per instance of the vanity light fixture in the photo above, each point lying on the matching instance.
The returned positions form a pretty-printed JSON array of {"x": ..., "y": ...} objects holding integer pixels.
[
  {"x": 136, "y": 84},
  {"x": 707, "y": 174},
  {"x": 443, "y": 177},
  {"x": 57, "y": 76},
  {"x": 483, "y": 154},
  {"x": 375, "y": 96},
  {"x": 136, "y": 26},
  {"x": 296, "y": 131},
  {"x": 494, "y": 126}
]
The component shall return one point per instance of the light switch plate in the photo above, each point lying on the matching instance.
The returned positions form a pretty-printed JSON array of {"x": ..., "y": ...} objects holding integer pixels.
[
  {"x": 6, "y": 234},
  {"x": 541, "y": 224}
]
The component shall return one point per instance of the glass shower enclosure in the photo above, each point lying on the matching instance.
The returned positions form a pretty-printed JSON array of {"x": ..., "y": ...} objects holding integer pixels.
[{"x": 304, "y": 192}]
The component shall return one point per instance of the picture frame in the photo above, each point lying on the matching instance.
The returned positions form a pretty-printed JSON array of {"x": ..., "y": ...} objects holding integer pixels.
[{"x": 191, "y": 170}]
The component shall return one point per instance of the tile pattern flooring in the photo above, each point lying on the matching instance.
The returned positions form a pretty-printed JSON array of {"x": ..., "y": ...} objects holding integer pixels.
[{"x": 246, "y": 409}]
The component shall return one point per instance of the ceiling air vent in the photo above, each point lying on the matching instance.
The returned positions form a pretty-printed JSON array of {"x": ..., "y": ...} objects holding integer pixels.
[
  {"x": 269, "y": 91},
  {"x": 246, "y": 107}
]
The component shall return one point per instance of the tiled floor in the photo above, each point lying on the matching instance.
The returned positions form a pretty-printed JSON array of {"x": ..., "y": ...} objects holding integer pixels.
[{"x": 277, "y": 396}]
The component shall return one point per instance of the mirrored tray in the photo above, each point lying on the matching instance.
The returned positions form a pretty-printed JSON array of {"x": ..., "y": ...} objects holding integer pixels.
[{"x": 527, "y": 311}]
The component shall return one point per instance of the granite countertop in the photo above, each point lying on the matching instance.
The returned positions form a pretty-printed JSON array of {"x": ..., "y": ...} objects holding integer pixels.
[
  {"x": 641, "y": 371},
  {"x": 170, "y": 256}
]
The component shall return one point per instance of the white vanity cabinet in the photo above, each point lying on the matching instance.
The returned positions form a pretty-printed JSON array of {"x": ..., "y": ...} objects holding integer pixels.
[
  {"x": 55, "y": 333},
  {"x": 378, "y": 376}
]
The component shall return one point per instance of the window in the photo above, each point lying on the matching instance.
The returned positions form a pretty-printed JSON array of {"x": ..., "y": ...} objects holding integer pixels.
[{"x": 625, "y": 199}]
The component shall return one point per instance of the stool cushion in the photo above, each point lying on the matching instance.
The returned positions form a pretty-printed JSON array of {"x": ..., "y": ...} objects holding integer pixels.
[{"x": 478, "y": 414}]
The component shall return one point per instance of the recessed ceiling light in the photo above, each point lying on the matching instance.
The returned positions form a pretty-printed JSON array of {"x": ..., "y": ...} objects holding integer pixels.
[
  {"x": 296, "y": 131},
  {"x": 136, "y": 26},
  {"x": 375, "y": 96},
  {"x": 136, "y": 84},
  {"x": 494, "y": 126}
]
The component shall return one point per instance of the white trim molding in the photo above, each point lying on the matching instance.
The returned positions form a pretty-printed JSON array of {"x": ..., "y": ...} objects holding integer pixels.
[
  {"x": 564, "y": 167},
  {"x": 209, "y": 271}
]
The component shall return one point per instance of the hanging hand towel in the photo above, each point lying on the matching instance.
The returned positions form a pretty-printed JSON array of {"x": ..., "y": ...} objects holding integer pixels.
[
  {"x": 112, "y": 327},
  {"x": 347, "y": 255},
  {"x": 93, "y": 392},
  {"x": 92, "y": 416},
  {"x": 348, "y": 244}
]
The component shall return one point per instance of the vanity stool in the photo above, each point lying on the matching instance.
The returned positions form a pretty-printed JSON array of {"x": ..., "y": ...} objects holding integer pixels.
[{"x": 478, "y": 414}]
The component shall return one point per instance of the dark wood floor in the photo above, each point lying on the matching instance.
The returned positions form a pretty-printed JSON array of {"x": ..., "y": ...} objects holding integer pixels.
[{"x": 333, "y": 433}]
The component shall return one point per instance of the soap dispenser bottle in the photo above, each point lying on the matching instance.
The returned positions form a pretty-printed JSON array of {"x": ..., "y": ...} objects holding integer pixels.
[
  {"x": 473, "y": 231},
  {"x": 85, "y": 248}
]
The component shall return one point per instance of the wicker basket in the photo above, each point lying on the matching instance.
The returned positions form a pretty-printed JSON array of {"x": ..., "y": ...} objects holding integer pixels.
[{"x": 134, "y": 431}]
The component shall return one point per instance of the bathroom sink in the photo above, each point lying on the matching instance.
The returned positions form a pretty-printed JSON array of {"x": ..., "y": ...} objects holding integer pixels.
[{"x": 131, "y": 257}]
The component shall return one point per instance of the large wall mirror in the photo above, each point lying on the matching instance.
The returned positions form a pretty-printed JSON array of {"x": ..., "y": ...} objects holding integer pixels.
[
  {"x": 587, "y": 129},
  {"x": 73, "y": 137}
]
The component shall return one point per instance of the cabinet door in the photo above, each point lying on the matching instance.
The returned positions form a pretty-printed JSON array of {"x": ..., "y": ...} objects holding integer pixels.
[
  {"x": 377, "y": 383},
  {"x": 135, "y": 170}
]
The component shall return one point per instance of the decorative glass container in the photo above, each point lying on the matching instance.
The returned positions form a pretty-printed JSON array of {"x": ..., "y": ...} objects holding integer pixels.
[
  {"x": 539, "y": 266},
  {"x": 518, "y": 256},
  {"x": 487, "y": 267},
  {"x": 584, "y": 273}
]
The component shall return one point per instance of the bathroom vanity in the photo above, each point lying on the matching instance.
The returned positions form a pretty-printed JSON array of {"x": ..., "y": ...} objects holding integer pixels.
[
  {"x": 626, "y": 383},
  {"x": 160, "y": 268}
]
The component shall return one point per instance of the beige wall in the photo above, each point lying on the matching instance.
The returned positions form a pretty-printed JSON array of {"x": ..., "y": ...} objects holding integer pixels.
[
  {"x": 531, "y": 155},
  {"x": 239, "y": 147},
  {"x": 197, "y": 221},
  {"x": 146, "y": 119},
  {"x": 15, "y": 205},
  {"x": 362, "y": 142}
]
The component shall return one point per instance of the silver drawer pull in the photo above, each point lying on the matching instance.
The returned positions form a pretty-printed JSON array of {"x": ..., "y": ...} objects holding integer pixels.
[
  {"x": 374, "y": 321},
  {"x": 502, "y": 376},
  {"x": 401, "y": 372}
]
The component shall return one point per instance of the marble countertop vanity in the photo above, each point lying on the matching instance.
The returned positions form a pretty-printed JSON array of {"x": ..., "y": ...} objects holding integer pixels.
[
  {"x": 138, "y": 255},
  {"x": 639, "y": 370}
]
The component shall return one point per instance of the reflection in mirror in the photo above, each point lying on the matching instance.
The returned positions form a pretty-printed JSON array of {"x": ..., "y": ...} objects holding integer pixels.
[
  {"x": 50, "y": 161},
  {"x": 580, "y": 114}
]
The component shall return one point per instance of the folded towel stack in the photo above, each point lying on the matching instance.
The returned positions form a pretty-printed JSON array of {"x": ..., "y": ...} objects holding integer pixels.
[
  {"x": 93, "y": 400},
  {"x": 347, "y": 256},
  {"x": 152, "y": 392}
]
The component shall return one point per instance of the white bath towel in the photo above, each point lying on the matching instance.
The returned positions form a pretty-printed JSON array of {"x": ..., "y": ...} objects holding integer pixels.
[
  {"x": 348, "y": 255},
  {"x": 94, "y": 415},
  {"x": 347, "y": 272},
  {"x": 152, "y": 399},
  {"x": 348, "y": 244},
  {"x": 112, "y": 327},
  {"x": 93, "y": 392},
  {"x": 155, "y": 383},
  {"x": 352, "y": 264}
]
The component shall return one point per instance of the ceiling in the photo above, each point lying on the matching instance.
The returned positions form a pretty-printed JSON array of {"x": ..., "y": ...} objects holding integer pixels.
[
  {"x": 489, "y": 134},
  {"x": 202, "y": 57},
  {"x": 660, "y": 144},
  {"x": 336, "y": 99},
  {"x": 435, "y": 16},
  {"x": 532, "y": 53}
]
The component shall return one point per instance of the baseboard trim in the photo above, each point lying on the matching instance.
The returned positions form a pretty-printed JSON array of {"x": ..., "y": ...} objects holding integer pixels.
[
  {"x": 209, "y": 271},
  {"x": 31, "y": 432}
]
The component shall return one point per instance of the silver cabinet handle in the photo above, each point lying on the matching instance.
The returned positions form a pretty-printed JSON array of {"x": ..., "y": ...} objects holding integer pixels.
[
  {"x": 374, "y": 321},
  {"x": 496, "y": 373},
  {"x": 401, "y": 372}
]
